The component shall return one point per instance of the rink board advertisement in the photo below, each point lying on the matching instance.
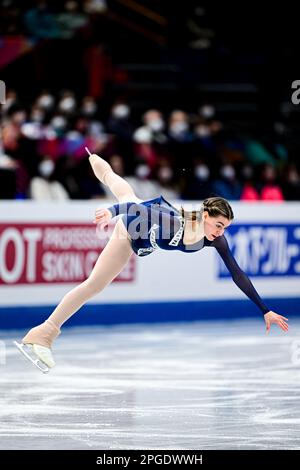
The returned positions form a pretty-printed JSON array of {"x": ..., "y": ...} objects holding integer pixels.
[
  {"x": 265, "y": 250},
  {"x": 51, "y": 253},
  {"x": 48, "y": 248}
]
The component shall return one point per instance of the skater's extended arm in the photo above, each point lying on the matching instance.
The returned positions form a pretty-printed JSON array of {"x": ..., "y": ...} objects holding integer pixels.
[
  {"x": 129, "y": 208},
  {"x": 244, "y": 283},
  {"x": 238, "y": 276},
  {"x": 165, "y": 218}
]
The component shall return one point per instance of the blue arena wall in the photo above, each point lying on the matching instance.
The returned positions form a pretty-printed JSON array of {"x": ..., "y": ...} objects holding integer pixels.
[
  {"x": 111, "y": 314},
  {"x": 46, "y": 249}
]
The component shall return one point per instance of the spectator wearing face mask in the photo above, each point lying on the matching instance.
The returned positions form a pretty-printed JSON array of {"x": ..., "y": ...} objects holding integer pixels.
[
  {"x": 89, "y": 107},
  {"x": 207, "y": 112},
  {"x": 58, "y": 125},
  {"x": 142, "y": 182},
  {"x": 67, "y": 103},
  {"x": 153, "y": 119},
  {"x": 120, "y": 125},
  {"x": 44, "y": 187},
  {"x": 151, "y": 139},
  {"x": 227, "y": 185},
  {"x": 180, "y": 139},
  {"x": 50, "y": 141},
  {"x": 37, "y": 115},
  {"x": 144, "y": 149},
  {"x": 154, "y": 122},
  {"x": 207, "y": 129},
  {"x": 119, "y": 122},
  {"x": 197, "y": 185},
  {"x": 178, "y": 127},
  {"x": 45, "y": 101}
]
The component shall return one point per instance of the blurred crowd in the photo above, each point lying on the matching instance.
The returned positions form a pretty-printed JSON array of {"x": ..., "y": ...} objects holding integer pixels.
[{"x": 180, "y": 154}]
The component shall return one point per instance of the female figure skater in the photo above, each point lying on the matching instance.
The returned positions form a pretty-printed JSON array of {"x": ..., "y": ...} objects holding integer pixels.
[{"x": 144, "y": 227}]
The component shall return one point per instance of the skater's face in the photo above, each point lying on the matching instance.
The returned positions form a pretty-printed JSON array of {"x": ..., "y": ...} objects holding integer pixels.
[{"x": 214, "y": 226}]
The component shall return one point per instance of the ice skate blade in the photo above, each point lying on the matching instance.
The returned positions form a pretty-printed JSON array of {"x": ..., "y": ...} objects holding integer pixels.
[{"x": 34, "y": 360}]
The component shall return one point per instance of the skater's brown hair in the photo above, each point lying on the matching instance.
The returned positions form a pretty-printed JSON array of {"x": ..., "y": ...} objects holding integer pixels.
[{"x": 215, "y": 206}]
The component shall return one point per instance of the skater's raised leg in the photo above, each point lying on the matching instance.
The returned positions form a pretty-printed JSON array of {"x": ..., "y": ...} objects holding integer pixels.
[
  {"x": 110, "y": 262},
  {"x": 118, "y": 186}
]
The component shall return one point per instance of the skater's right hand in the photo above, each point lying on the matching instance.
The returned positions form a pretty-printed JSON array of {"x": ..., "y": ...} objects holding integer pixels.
[
  {"x": 102, "y": 217},
  {"x": 272, "y": 317}
]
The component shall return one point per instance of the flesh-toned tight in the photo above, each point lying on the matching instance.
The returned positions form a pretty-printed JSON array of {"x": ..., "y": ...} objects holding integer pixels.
[{"x": 109, "y": 264}]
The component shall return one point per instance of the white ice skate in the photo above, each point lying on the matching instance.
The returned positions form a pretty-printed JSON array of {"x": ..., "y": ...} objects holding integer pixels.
[{"x": 40, "y": 356}]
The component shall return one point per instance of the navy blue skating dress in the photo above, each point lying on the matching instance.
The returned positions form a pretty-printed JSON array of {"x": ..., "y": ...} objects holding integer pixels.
[{"x": 157, "y": 224}]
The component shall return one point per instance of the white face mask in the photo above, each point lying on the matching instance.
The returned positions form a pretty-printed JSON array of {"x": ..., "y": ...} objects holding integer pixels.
[
  {"x": 165, "y": 174},
  {"x": 142, "y": 136},
  {"x": 58, "y": 122},
  {"x": 121, "y": 111},
  {"x": 31, "y": 130},
  {"x": 179, "y": 127},
  {"x": 37, "y": 116},
  {"x": 89, "y": 108},
  {"x": 96, "y": 129},
  {"x": 67, "y": 104},
  {"x": 202, "y": 172},
  {"x": 142, "y": 171},
  {"x": 45, "y": 101},
  {"x": 227, "y": 172},
  {"x": 207, "y": 111},
  {"x": 46, "y": 168},
  {"x": 156, "y": 125},
  {"x": 202, "y": 131}
]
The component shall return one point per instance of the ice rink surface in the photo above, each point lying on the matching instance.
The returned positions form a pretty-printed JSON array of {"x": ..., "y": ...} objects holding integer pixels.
[{"x": 204, "y": 385}]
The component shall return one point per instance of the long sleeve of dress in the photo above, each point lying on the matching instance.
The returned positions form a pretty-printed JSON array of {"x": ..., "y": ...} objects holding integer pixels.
[
  {"x": 125, "y": 208},
  {"x": 238, "y": 276}
]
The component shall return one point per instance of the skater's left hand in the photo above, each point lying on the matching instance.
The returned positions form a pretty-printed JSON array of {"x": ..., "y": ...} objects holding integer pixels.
[
  {"x": 102, "y": 217},
  {"x": 272, "y": 317}
]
